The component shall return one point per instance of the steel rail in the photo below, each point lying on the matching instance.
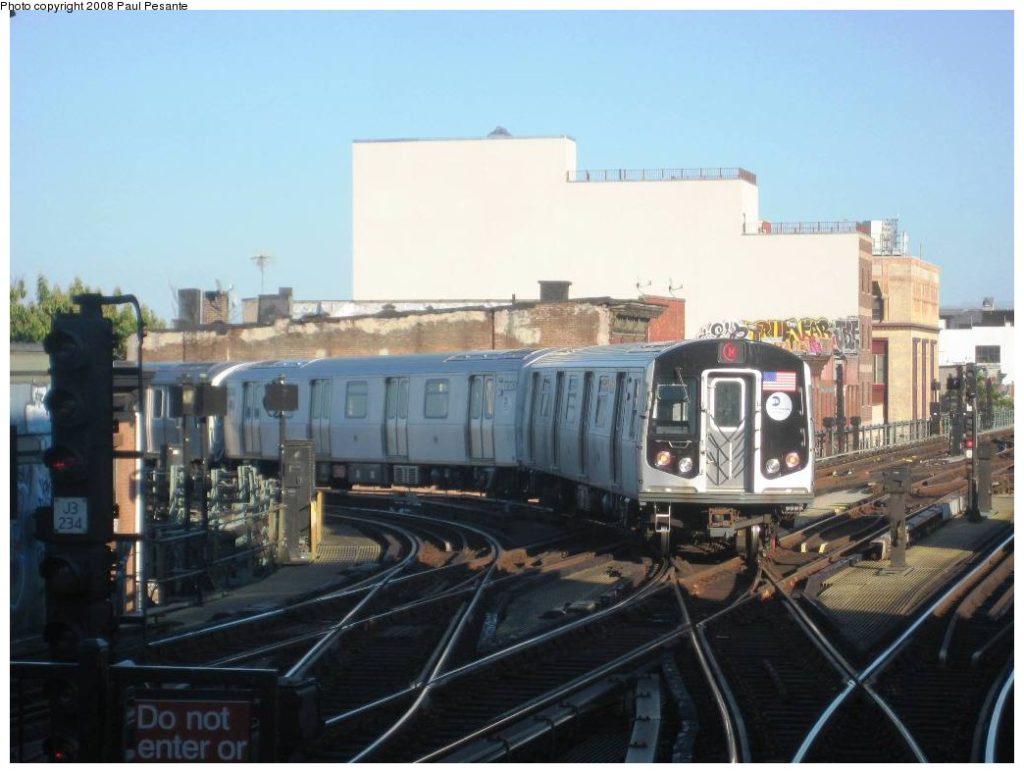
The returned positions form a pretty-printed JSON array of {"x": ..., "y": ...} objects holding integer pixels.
[
  {"x": 332, "y": 634},
  {"x": 449, "y": 640},
  {"x": 883, "y": 660},
  {"x": 358, "y": 587},
  {"x": 1002, "y": 701},
  {"x": 720, "y": 699},
  {"x": 469, "y": 668},
  {"x": 456, "y": 590},
  {"x": 540, "y": 703}
]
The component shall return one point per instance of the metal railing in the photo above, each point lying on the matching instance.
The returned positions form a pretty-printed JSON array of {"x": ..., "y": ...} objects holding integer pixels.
[
  {"x": 658, "y": 175},
  {"x": 768, "y": 228},
  {"x": 833, "y": 442}
]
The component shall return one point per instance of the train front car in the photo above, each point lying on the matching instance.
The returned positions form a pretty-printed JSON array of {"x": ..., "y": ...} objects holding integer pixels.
[{"x": 729, "y": 441}]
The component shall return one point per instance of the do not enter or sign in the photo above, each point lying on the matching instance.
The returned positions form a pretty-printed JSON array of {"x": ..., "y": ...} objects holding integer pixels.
[{"x": 191, "y": 731}]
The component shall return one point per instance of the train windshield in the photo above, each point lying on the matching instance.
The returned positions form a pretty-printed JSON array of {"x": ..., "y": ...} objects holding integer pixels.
[{"x": 674, "y": 408}]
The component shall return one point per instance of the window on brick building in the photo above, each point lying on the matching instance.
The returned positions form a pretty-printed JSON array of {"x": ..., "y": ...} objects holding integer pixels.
[
  {"x": 987, "y": 354},
  {"x": 877, "y": 303},
  {"x": 880, "y": 369}
]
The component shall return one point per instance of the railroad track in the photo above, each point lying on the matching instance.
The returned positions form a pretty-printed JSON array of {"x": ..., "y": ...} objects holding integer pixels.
[{"x": 483, "y": 693}]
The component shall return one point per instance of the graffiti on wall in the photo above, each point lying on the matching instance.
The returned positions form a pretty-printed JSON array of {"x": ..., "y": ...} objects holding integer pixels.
[{"x": 805, "y": 335}]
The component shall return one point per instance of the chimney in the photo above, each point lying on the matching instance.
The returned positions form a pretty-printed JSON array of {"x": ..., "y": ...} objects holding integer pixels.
[
  {"x": 188, "y": 308},
  {"x": 554, "y": 290}
]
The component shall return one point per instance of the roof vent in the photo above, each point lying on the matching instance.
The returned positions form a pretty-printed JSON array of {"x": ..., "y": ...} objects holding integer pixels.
[
  {"x": 554, "y": 291},
  {"x": 988, "y": 303},
  {"x": 499, "y": 131}
]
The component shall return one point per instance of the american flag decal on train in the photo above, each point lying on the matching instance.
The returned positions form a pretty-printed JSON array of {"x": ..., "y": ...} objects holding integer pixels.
[{"x": 779, "y": 381}]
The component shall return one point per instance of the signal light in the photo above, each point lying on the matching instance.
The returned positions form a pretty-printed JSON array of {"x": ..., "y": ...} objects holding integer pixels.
[
  {"x": 62, "y": 749},
  {"x": 67, "y": 350},
  {"x": 65, "y": 464},
  {"x": 65, "y": 408},
  {"x": 792, "y": 459},
  {"x": 663, "y": 459}
]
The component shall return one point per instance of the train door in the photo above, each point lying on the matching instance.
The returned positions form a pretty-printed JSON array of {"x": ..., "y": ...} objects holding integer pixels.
[
  {"x": 531, "y": 437},
  {"x": 396, "y": 417},
  {"x": 617, "y": 418},
  {"x": 320, "y": 417},
  {"x": 728, "y": 436},
  {"x": 630, "y": 423},
  {"x": 481, "y": 417},
  {"x": 252, "y": 405},
  {"x": 588, "y": 388}
]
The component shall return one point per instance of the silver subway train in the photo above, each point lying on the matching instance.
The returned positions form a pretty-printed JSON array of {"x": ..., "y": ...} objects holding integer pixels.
[{"x": 708, "y": 437}]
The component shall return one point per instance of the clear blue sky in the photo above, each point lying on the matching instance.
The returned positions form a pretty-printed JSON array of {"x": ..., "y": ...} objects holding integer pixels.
[{"x": 163, "y": 150}]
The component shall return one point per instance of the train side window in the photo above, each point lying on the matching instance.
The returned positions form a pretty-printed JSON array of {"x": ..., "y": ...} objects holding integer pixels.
[
  {"x": 604, "y": 398},
  {"x": 403, "y": 398},
  {"x": 158, "y": 403},
  {"x": 634, "y": 408},
  {"x": 435, "y": 404},
  {"x": 391, "y": 399},
  {"x": 475, "y": 398},
  {"x": 489, "y": 397},
  {"x": 571, "y": 393},
  {"x": 356, "y": 395},
  {"x": 545, "y": 397},
  {"x": 315, "y": 399}
]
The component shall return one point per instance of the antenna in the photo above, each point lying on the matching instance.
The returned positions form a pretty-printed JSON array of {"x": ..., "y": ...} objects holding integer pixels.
[{"x": 261, "y": 262}]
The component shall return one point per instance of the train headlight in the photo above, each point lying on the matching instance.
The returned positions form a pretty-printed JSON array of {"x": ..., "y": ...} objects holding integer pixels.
[
  {"x": 685, "y": 465},
  {"x": 772, "y": 466},
  {"x": 663, "y": 459},
  {"x": 792, "y": 459}
]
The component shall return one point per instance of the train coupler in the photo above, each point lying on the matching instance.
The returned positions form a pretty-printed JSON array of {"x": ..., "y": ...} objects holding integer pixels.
[{"x": 662, "y": 518}]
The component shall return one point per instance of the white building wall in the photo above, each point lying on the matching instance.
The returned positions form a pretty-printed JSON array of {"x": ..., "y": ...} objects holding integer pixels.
[
  {"x": 958, "y": 346},
  {"x": 489, "y": 218}
]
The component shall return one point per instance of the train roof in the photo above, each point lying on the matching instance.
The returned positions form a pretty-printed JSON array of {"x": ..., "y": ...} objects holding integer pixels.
[
  {"x": 398, "y": 364},
  {"x": 631, "y": 354},
  {"x": 174, "y": 372},
  {"x": 638, "y": 354}
]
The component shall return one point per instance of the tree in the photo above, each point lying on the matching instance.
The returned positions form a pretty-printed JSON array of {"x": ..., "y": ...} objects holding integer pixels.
[{"x": 31, "y": 320}]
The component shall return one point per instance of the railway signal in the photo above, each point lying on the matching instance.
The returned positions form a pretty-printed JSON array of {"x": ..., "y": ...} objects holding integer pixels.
[
  {"x": 77, "y": 569},
  {"x": 77, "y": 528}
]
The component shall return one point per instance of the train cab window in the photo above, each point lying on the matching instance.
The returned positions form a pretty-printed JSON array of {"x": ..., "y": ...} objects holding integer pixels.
[
  {"x": 356, "y": 396},
  {"x": 674, "y": 408},
  {"x": 435, "y": 404},
  {"x": 727, "y": 404}
]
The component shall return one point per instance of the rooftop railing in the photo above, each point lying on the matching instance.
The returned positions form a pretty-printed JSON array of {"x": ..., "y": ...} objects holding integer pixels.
[
  {"x": 658, "y": 175},
  {"x": 768, "y": 228}
]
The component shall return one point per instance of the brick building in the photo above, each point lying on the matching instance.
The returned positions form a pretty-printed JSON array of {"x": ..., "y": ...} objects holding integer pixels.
[
  {"x": 523, "y": 324},
  {"x": 905, "y": 337}
]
